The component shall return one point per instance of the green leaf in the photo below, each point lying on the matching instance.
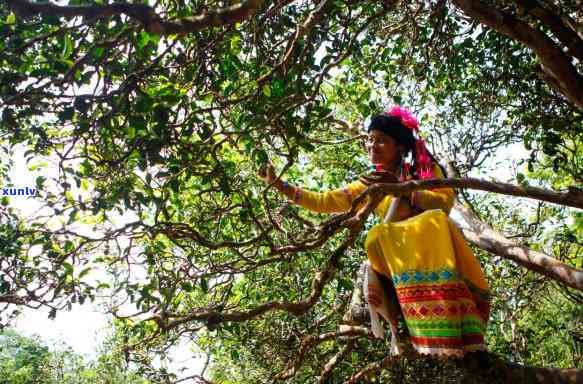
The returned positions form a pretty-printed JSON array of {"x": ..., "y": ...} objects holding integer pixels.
[
  {"x": 204, "y": 285},
  {"x": 174, "y": 185},
  {"x": 67, "y": 114},
  {"x": 277, "y": 88},
  {"x": 73, "y": 216},
  {"x": 98, "y": 52},
  {"x": 224, "y": 184},
  {"x": 67, "y": 47},
  {"x": 69, "y": 246},
  {"x": 144, "y": 39},
  {"x": 86, "y": 168},
  {"x": 68, "y": 268},
  {"x": 235, "y": 355},
  {"x": 236, "y": 44},
  {"x": 131, "y": 132},
  {"x": 144, "y": 104},
  {"x": 307, "y": 145},
  {"x": 260, "y": 157},
  {"x": 186, "y": 286},
  {"x": 11, "y": 19},
  {"x": 39, "y": 181},
  {"x": 266, "y": 90}
]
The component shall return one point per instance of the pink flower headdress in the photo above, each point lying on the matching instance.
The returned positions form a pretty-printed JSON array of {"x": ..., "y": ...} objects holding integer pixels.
[
  {"x": 406, "y": 117},
  {"x": 423, "y": 161}
]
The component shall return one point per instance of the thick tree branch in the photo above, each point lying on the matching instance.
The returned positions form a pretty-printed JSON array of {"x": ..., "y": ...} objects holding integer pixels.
[
  {"x": 485, "y": 365},
  {"x": 554, "y": 62},
  {"x": 12, "y": 299},
  {"x": 357, "y": 312},
  {"x": 486, "y": 238},
  {"x": 572, "y": 198},
  {"x": 142, "y": 13},
  {"x": 567, "y": 36}
]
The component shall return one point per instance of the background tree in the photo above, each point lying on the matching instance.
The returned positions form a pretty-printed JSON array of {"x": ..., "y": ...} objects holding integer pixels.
[
  {"x": 147, "y": 125},
  {"x": 28, "y": 360}
]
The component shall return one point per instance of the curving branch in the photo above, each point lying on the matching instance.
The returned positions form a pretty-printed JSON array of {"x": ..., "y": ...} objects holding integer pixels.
[
  {"x": 372, "y": 368},
  {"x": 488, "y": 239},
  {"x": 555, "y": 62},
  {"x": 310, "y": 341},
  {"x": 142, "y": 13},
  {"x": 213, "y": 318},
  {"x": 333, "y": 362},
  {"x": 313, "y": 18},
  {"x": 185, "y": 231}
]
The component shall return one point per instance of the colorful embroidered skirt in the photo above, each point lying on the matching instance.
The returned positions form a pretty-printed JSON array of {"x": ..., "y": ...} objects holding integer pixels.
[{"x": 439, "y": 283}]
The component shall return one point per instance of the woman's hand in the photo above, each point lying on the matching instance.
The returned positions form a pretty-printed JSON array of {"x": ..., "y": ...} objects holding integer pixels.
[{"x": 267, "y": 173}]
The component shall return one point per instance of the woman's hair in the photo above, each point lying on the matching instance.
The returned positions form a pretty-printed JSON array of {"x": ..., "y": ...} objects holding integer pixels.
[
  {"x": 403, "y": 135},
  {"x": 392, "y": 126}
]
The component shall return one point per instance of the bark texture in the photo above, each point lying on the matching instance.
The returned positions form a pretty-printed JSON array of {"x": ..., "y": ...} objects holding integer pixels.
[{"x": 486, "y": 238}]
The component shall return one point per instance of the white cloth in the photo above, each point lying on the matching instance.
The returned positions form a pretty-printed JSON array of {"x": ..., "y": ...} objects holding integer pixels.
[{"x": 371, "y": 280}]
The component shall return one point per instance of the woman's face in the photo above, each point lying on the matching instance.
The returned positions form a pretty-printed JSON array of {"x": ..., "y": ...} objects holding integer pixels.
[{"x": 383, "y": 149}]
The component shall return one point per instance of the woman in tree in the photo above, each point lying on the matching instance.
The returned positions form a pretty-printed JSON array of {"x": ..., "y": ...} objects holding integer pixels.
[{"x": 439, "y": 284}]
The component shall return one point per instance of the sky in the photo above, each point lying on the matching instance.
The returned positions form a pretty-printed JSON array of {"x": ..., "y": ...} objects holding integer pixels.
[{"x": 83, "y": 327}]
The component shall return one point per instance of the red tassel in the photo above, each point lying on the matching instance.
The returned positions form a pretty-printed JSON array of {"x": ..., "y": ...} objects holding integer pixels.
[
  {"x": 406, "y": 171},
  {"x": 423, "y": 160}
]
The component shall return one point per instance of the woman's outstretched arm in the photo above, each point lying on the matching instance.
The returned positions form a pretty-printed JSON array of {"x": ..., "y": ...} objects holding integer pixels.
[{"x": 338, "y": 200}]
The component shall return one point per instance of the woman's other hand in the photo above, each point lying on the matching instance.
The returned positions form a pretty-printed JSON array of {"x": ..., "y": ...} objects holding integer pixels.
[
  {"x": 379, "y": 177},
  {"x": 386, "y": 177}
]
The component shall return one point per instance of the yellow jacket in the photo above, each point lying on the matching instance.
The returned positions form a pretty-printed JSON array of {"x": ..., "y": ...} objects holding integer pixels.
[{"x": 340, "y": 200}]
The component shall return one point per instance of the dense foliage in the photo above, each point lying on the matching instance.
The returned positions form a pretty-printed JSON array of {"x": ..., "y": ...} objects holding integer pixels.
[{"x": 145, "y": 147}]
